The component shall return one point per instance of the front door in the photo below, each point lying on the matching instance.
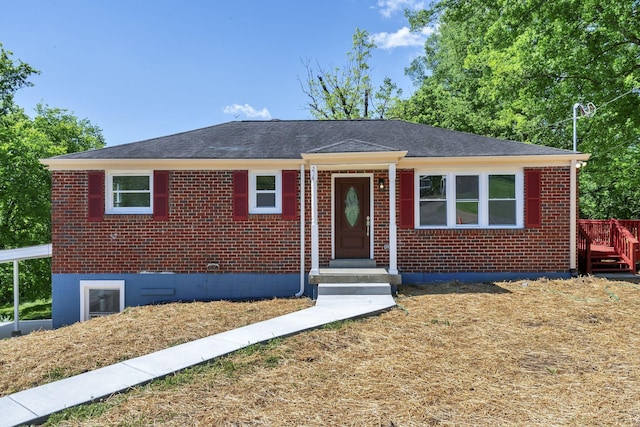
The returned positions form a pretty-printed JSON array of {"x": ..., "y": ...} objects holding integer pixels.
[{"x": 352, "y": 217}]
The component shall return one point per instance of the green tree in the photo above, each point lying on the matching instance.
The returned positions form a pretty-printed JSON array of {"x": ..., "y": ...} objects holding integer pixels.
[
  {"x": 25, "y": 184},
  {"x": 348, "y": 93},
  {"x": 515, "y": 70},
  {"x": 13, "y": 76}
]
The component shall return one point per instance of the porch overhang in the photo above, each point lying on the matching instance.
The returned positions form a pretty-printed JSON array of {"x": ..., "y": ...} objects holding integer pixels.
[{"x": 353, "y": 160}]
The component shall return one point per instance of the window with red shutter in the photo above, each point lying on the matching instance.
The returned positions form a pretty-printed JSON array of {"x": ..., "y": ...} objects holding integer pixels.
[
  {"x": 289, "y": 194},
  {"x": 95, "y": 189},
  {"x": 129, "y": 192},
  {"x": 406, "y": 199},
  {"x": 241, "y": 195},
  {"x": 533, "y": 202},
  {"x": 161, "y": 195}
]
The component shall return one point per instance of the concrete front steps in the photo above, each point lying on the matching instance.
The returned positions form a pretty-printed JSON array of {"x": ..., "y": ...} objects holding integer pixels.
[
  {"x": 354, "y": 289},
  {"x": 354, "y": 271},
  {"x": 355, "y": 294}
]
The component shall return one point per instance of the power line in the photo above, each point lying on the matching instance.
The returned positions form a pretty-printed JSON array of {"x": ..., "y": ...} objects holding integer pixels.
[{"x": 634, "y": 90}]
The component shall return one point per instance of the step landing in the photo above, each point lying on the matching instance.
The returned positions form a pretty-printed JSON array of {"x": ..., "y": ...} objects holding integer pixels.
[
  {"x": 352, "y": 263},
  {"x": 354, "y": 275},
  {"x": 354, "y": 289},
  {"x": 355, "y": 294}
]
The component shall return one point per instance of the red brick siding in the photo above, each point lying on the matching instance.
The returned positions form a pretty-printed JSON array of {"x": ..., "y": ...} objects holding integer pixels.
[
  {"x": 543, "y": 249},
  {"x": 200, "y": 230}
]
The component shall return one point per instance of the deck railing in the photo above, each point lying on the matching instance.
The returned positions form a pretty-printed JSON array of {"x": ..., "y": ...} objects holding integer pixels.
[
  {"x": 598, "y": 230},
  {"x": 584, "y": 249},
  {"x": 633, "y": 225},
  {"x": 623, "y": 235},
  {"x": 625, "y": 244}
]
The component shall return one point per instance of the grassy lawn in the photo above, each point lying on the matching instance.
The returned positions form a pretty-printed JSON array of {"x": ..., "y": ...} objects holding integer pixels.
[
  {"x": 33, "y": 310},
  {"x": 534, "y": 353}
]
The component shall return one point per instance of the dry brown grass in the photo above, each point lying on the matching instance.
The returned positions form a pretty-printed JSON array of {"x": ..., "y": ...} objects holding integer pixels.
[
  {"x": 547, "y": 352},
  {"x": 46, "y": 356}
]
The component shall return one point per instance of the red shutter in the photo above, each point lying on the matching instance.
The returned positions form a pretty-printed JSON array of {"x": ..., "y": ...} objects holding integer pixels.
[
  {"x": 241, "y": 195},
  {"x": 160, "y": 195},
  {"x": 406, "y": 199},
  {"x": 95, "y": 189},
  {"x": 289, "y": 193},
  {"x": 533, "y": 202}
]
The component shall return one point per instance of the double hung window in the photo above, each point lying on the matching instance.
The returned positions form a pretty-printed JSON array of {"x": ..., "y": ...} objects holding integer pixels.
[
  {"x": 467, "y": 199},
  {"x": 502, "y": 200},
  {"x": 129, "y": 192},
  {"x": 433, "y": 200},
  {"x": 453, "y": 200},
  {"x": 265, "y": 192}
]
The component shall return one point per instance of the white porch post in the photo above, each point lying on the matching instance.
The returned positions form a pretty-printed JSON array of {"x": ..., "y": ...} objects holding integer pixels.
[
  {"x": 315, "y": 251},
  {"x": 302, "y": 230},
  {"x": 393, "y": 241},
  {"x": 16, "y": 298}
]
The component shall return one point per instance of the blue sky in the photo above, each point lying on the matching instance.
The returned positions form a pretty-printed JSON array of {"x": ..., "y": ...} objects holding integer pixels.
[{"x": 146, "y": 68}]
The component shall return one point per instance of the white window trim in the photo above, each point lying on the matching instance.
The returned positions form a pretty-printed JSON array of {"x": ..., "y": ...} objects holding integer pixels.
[
  {"x": 253, "y": 200},
  {"x": 483, "y": 205},
  {"x": 87, "y": 285},
  {"x": 111, "y": 209}
]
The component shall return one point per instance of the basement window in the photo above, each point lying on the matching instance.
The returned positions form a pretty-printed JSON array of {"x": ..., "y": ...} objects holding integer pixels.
[{"x": 100, "y": 298}]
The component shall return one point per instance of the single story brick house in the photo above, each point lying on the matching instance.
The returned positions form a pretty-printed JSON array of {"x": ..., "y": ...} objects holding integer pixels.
[{"x": 254, "y": 209}]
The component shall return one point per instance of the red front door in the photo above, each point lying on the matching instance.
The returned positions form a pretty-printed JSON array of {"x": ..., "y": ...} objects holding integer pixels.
[{"x": 352, "y": 214}]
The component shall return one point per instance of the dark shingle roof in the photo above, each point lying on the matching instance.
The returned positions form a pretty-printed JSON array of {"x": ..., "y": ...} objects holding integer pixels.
[{"x": 288, "y": 139}]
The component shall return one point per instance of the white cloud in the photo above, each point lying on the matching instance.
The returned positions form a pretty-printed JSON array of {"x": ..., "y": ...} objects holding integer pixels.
[
  {"x": 401, "y": 38},
  {"x": 247, "y": 110},
  {"x": 389, "y": 7}
]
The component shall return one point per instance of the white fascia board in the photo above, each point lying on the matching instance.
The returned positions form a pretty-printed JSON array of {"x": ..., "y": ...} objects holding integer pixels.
[
  {"x": 169, "y": 164},
  {"x": 492, "y": 161},
  {"x": 375, "y": 160}
]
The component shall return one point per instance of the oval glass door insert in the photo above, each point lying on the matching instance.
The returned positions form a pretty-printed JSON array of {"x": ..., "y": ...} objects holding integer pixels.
[{"x": 352, "y": 207}]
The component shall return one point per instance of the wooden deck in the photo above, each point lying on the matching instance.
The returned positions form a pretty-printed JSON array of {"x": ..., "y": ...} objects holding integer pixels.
[{"x": 608, "y": 246}]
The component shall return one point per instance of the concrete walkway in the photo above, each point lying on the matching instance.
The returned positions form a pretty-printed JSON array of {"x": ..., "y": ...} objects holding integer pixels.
[{"x": 335, "y": 302}]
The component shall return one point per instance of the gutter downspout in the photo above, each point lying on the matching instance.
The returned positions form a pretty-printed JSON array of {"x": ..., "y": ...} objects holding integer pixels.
[
  {"x": 302, "y": 225},
  {"x": 573, "y": 214}
]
